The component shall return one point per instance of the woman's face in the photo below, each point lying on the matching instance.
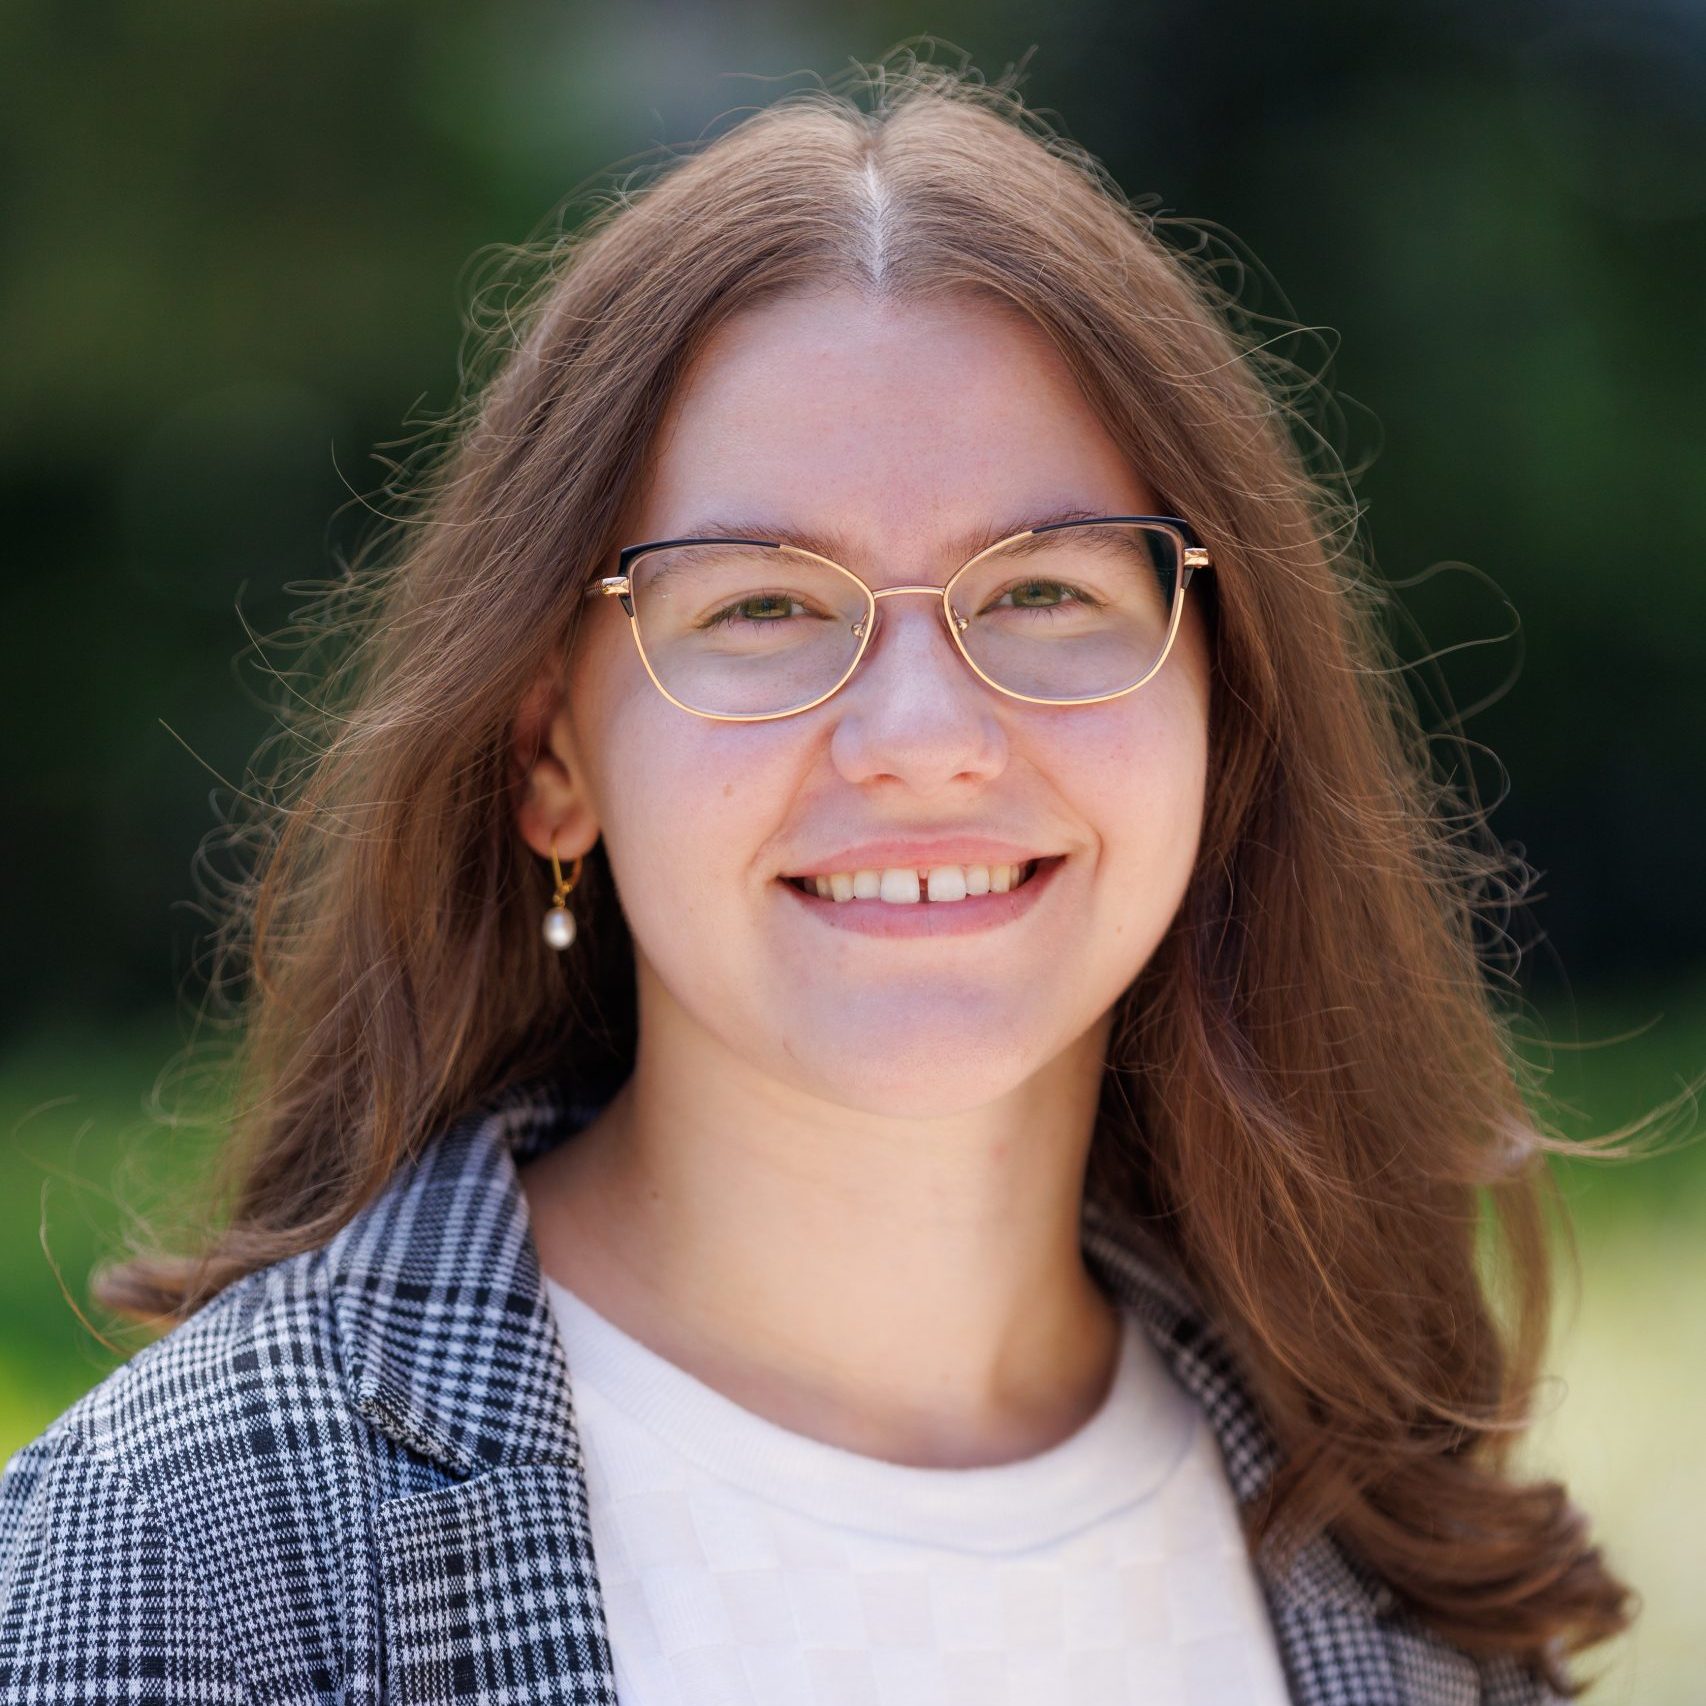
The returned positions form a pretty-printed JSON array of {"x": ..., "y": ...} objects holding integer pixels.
[{"x": 904, "y": 430}]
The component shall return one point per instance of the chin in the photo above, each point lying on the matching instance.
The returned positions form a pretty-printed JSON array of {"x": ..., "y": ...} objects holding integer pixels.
[{"x": 927, "y": 1076}]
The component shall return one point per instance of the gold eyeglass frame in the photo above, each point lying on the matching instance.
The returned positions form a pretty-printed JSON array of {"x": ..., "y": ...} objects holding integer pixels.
[{"x": 1193, "y": 556}]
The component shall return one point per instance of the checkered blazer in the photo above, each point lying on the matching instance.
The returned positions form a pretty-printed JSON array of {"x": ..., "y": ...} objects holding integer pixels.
[{"x": 356, "y": 1476}]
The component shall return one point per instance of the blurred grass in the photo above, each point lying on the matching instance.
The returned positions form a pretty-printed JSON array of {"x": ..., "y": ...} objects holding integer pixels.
[
  {"x": 79, "y": 1155},
  {"x": 1619, "y": 1419}
]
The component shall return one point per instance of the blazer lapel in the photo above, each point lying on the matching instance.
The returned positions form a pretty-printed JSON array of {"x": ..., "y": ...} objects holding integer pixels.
[
  {"x": 490, "y": 1592},
  {"x": 489, "y": 1589}
]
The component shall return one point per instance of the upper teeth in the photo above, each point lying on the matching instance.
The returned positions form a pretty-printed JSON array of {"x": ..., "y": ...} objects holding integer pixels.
[{"x": 902, "y": 886}]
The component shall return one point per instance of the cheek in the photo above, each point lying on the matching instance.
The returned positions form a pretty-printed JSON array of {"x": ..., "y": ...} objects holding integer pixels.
[
  {"x": 1138, "y": 777},
  {"x": 1145, "y": 758},
  {"x": 684, "y": 806}
]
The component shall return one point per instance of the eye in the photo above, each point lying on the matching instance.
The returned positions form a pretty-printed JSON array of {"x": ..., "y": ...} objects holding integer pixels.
[
  {"x": 1040, "y": 595},
  {"x": 732, "y": 614}
]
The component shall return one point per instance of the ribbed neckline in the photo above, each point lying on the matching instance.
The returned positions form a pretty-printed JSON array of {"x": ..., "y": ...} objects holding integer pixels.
[{"x": 1124, "y": 1452}]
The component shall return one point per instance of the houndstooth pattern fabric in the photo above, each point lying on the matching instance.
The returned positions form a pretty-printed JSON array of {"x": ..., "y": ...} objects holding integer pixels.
[{"x": 355, "y": 1476}]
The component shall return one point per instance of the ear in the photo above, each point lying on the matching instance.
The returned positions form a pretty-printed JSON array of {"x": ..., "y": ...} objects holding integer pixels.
[{"x": 552, "y": 801}]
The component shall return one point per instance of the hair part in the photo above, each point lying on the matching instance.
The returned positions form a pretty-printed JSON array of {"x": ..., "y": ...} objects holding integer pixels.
[{"x": 1311, "y": 1088}]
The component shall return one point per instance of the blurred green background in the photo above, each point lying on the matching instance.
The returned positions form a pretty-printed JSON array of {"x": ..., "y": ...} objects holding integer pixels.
[{"x": 239, "y": 246}]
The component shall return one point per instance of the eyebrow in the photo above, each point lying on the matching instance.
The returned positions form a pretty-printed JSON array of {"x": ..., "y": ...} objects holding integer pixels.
[{"x": 839, "y": 548}]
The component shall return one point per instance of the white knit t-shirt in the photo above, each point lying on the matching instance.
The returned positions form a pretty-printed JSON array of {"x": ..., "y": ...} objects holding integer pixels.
[{"x": 744, "y": 1563}]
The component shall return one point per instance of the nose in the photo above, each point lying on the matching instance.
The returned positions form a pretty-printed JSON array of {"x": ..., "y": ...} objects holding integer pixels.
[{"x": 914, "y": 710}]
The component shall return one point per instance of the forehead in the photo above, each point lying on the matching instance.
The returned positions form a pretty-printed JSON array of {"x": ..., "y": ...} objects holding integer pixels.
[{"x": 880, "y": 418}]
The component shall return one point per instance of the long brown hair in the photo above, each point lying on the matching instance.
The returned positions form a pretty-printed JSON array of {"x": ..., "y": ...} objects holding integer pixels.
[{"x": 1312, "y": 1085}]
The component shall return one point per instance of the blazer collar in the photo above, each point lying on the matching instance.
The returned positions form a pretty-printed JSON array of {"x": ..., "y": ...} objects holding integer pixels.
[
  {"x": 447, "y": 1337},
  {"x": 449, "y": 1345}
]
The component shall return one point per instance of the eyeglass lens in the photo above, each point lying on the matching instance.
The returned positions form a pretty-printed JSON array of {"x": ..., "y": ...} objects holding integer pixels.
[{"x": 1077, "y": 612}]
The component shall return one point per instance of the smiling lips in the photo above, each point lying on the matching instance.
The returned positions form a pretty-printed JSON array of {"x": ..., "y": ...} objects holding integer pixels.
[
  {"x": 888, "y": 906},
  {"x": 905, "y": 885}
]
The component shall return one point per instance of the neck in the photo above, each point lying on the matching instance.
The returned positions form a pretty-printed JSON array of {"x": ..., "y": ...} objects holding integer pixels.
[{"x": 909, "y": 1289}]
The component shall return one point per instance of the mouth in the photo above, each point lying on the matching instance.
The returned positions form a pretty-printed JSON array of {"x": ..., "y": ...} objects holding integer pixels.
[{"x": 935, "y": 886}]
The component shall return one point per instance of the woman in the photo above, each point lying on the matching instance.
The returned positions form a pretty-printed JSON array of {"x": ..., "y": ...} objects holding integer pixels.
[{"x": 971, "y": 1186}]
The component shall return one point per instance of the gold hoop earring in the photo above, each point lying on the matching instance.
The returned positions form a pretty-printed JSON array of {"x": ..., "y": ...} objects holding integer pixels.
[{"x": 559, "y": 921}]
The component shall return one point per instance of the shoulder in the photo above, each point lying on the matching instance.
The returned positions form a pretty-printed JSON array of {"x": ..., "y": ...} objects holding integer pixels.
[
  {"x": 169, "y": 1502},
  {"x": 97, "y": 1598},
  {"x": 1344, "y": 1632},
  {"x": 204, "y": 1397}
]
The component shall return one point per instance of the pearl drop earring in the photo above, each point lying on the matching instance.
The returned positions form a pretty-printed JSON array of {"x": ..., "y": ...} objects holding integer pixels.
[{"x": 559, "y": 921}]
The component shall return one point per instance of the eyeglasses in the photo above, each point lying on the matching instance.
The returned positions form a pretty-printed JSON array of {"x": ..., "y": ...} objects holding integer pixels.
[{"x": 1070, "y": 613}]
